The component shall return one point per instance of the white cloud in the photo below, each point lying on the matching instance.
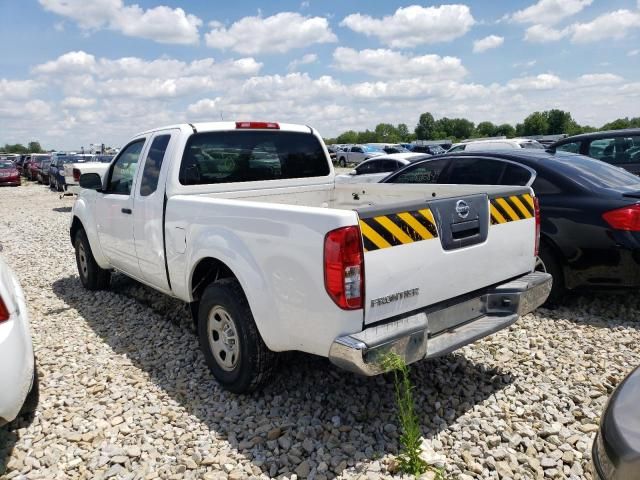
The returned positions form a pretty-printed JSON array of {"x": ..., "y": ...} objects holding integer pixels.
[
  {"x": 594, "y": 79},
  {"x": 276, "y": 34},
  {"x": 414, "y": 25},
  {"x": 544, "y": 81},
  {"x": 393, "y": 64},
  {"x": 487, "y": 43},
  {"x": 71, "y": 62},
  {"x": 544, "y": 34},
  {"x": 614, "y": 25},
  {"x": 527, "y": 64},
  {"x": 549, "y": 12},
  {"x": 78, "y": 102},
  {"x": 161, "y": 24},
  {"x": 633, "y": 53},
  {"x": 17, "y": 89},
  {"x": 306, "y": 59}
]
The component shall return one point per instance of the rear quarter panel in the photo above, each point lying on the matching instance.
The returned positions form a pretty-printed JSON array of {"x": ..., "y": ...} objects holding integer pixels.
[{"x": 276, "y": 252}]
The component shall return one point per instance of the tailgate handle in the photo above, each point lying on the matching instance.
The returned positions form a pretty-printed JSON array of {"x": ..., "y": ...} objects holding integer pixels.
[{"x": 465, "y": 229}]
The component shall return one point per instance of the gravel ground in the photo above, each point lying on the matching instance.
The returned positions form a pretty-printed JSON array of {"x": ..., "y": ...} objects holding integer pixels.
[{"x": 125, "y": 392}]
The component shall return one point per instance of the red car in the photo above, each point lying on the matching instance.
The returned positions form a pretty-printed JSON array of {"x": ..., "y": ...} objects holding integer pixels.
[
  {"x": 9, "y": 174},
  {"x": 35, "y": 166}
]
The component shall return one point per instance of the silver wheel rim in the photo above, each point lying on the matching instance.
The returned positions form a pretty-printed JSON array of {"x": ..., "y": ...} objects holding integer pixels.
[
  {"x": 540, "y": 266},
  {"x": 82, "y": 261},
  {"x": 223, "y": 338}
]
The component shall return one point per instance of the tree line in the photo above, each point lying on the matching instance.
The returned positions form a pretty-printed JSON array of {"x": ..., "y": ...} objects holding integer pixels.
[
  {"x": 549, "y": 122},
  {"x": 32, "y": 147}
]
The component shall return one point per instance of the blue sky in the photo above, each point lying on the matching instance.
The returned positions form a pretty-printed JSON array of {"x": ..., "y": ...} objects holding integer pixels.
[{"x": 76, "y": 72}]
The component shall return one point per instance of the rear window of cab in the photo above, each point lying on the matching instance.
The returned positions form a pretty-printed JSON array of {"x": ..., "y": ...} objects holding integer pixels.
[{"x": 250, "y": 156}]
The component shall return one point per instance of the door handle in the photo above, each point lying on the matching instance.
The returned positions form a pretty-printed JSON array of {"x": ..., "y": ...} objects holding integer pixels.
[{"x": 127, "y": 211}]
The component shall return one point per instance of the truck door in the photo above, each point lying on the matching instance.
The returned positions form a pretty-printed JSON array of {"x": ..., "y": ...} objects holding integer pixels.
[
  {"x": 114, "y": 209},
  {"x": 149, "y": 208}
]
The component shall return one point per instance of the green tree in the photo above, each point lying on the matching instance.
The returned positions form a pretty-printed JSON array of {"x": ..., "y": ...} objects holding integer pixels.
[
  {"x": 367, "y": 136},
  {"x": 486, "y": 129},
  {"x": 558, "y": 121},
  {"x": 425, "y": 128},
  {"x": 15, "y": 148},
  {"x": 617, "y": 124},
  {"x": 34, "y": 147},
  {"x": 535, "y": 124},
  {"x": 349, "y": 136},
  {"x": 403, "y": 132},
  {"x": 385, "y": 132},
  {"x": 506, "y": 130}
]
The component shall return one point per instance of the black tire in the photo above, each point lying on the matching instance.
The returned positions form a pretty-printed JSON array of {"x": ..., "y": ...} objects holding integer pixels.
[
  {"x": 547, "y": 261},
  {"x": 33, "y": 397},
  {"x": 91, "y": 275},
  {"x": 342, "y": 162},
  {"x": 247, "y": 364}
]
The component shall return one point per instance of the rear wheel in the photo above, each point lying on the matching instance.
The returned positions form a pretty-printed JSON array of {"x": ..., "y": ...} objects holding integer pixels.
[
  {"x": 342, "y": 162},
  {"x": 91, "y": 275},
  {"x": 547, "y": 261},
  {"x": 229, "y": 339}
]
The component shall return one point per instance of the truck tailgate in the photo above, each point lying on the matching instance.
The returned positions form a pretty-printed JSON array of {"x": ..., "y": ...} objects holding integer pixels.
[{"x": 422, "y": 253}]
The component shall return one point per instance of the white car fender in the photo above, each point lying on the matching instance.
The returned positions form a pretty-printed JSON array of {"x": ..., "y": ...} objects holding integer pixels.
[{"x": 82, "y": 210}]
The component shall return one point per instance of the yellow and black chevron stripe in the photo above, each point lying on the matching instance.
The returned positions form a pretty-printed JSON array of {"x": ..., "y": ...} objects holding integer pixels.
[
  {"x": 400, "y": 228},
  {"x": 510, "y": 209}
]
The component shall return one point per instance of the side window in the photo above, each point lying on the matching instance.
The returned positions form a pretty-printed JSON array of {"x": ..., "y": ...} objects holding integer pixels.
[
  {"x": 368, "y": 167},
  {"x": 515, "y": 175},
  {"x": 388, "y": 166},
  {"x": 458, "y": 148},
  {"x": 357, "y": 150},
  {"x": 153, "y": 164},
  {"x": 542, "y": 186},
  {"x": 476, "y": 171},
  {"x": 573, "y": 147},
  {"x": 603, "y": 149},
  {"x": 124, "y": 169},
  {"x": 426, "y": 172}
]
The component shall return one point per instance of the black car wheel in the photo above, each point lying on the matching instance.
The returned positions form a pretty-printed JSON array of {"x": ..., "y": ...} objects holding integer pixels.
[
  {"x": 91, "y": 275},
  {"x": 232, "y": 346},
  {"x": 342, "y": 162},
  {"x": 546, "y": 261}
]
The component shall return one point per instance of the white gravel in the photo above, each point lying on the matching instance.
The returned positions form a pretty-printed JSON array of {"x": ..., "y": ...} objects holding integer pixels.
[{"x": 125, "y": 392}]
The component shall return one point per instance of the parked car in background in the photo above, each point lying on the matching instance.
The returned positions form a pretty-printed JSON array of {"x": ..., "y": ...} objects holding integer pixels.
[
  {"x": 377, "y": 168},
  {"x": 590, "y": 211},
  {"x": 430, "y": 149},
  {"x": 84, "y": 163},
  {"x": 18, "y": 376},
  {"x": 25, "y": 166},
  {"x": 495, "y": 144},
  {"x": 390, "y": 149},
  {"x": 56, "y": 172},
  {"x": 9, "y": 174},
  {"x": 356, "y": 154},
  {"x": 617, "y": 147},
  {"x": 35, "y": 165},
  {"x": 43, "y": 171},
  {"x": 333, "y": 152},
  {"x": 616, "y": 447}
]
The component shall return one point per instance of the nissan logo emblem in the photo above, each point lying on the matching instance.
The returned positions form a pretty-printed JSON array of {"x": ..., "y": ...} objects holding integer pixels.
[{"x": 462, "y": 209}]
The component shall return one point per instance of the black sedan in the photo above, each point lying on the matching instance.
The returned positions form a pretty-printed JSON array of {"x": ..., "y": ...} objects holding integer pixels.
[
  {"x": 616, "y": 449},
  {"x": 590, "y": 210},
  {"x": 617, "y": 147}
]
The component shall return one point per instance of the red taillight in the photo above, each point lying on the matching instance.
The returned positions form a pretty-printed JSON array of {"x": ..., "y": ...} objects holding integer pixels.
[
  {"x": 4, "y": 312},
  {"x": 536, "y": 211},
  {"x": 258, "y": 125},
  {"x": 76, "y": 174},
  {"x": 626, "y": 218},
  {"x": 344, "y": 267}
]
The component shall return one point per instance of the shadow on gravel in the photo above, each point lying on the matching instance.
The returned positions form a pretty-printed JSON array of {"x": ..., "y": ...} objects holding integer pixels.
[
  {"x": 603, "y": 309},
  {"x": 304, "y": 398},
  {"x": 62, "y": 209},
  {"x": 9, "y": 437}
]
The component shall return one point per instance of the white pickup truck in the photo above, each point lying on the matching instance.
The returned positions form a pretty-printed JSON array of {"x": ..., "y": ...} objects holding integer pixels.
[
  {"x": 245, "y": 222},
  {"x": 84, "y": 163}
]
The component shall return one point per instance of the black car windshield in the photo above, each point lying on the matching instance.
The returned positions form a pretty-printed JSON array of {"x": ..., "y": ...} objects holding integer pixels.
[{"x": 595, "y": 173}]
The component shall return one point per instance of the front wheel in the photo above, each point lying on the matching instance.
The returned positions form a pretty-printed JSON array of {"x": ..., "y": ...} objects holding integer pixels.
[
  {"x": 342, "y": 162},
  {"x": 232, "y": 346},
  {"x": 91, "y": 275}
]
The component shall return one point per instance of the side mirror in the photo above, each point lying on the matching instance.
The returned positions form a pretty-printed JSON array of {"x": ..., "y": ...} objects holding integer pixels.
[
  {"x": 91, "y": 181},
  {"x": 353, "y": 172}
]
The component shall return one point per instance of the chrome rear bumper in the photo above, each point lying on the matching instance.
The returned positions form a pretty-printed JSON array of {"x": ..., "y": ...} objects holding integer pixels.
[{"x": 428, "y": 335}]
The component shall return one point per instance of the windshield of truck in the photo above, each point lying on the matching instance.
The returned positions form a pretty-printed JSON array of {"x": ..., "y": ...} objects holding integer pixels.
[{"x": 249, "y": 156}]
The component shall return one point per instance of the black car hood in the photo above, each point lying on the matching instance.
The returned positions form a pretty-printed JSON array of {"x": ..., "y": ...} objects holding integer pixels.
[{"x": 620, "y": 427}]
